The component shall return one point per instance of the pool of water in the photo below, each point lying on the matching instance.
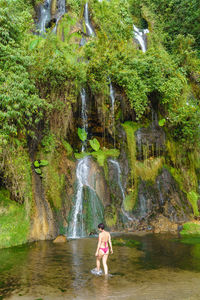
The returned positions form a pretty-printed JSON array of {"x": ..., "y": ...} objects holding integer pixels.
[{"x": 157, "y": 268}]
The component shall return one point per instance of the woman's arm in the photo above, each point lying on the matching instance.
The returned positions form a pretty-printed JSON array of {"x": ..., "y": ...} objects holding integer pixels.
[
  {"x": 110, "y": 243},
  {"x": 98, "y": 246}
]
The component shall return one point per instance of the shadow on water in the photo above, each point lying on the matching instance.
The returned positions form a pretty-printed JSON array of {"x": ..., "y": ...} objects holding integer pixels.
[{"x": 140, "y": 265}]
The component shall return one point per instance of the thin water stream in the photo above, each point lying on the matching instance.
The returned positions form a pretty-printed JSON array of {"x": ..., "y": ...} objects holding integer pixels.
[{"x": 159, "y": 268}]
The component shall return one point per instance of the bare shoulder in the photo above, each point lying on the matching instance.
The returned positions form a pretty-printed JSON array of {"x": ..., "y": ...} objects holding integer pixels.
[{"x": 108, "y": 234}]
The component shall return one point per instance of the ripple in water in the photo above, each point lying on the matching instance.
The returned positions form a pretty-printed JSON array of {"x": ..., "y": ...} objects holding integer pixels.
[{"x": 156, "y": 268}]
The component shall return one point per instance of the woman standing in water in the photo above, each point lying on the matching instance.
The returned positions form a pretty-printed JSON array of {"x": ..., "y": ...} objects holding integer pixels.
[{"x": 103, "y": 248}]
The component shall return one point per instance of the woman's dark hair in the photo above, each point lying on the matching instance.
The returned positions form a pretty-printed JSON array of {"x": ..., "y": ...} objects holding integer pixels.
[{"x": 101, "y": 225}]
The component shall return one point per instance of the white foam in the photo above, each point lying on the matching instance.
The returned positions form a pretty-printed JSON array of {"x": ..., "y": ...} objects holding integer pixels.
[{"x": 95, "y": 272}]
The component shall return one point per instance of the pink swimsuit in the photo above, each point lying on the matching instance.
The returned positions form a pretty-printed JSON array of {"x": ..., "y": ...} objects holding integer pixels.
[{"x": 104, "y": 249}]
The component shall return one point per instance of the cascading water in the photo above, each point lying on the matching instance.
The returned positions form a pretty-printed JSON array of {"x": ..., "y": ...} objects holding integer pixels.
[
  {"x": 140, "y": 36},
  {"x": 154, "y": 118},
  {"x": 112, "y": 98},
  {"x": 87, "y": 211},
  {"x": 60, "y": 13},
  {"x": 45, "y": 16},
  {"x": 76, "y": 227},
  {"x": 84, "y": 115},
  {"x": 117, "y": 167},
  {"x": 88, "y": 25}
]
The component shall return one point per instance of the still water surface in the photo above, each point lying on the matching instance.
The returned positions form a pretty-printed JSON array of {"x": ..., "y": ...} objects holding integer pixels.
[{"x": 159, "y": 268}]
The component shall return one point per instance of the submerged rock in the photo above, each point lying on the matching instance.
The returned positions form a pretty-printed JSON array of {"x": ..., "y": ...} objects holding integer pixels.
[{"x": 60, "y": 239}]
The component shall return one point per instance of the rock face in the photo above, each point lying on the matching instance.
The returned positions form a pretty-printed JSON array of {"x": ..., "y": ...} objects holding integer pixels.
[
  {"x": 60, "y": 239},
  {"x": 43, "y": 225},
  {"x": 150, "y": 142},
  {"x": 161, "y": 206},
  {"x": 96, "y": 181}
]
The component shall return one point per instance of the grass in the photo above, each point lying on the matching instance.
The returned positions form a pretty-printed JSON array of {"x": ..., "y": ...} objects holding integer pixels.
[
  {"x": 148, "y": 170},
  {"x": 190, "y": 229},
  {"x": 14, "y": 224}
]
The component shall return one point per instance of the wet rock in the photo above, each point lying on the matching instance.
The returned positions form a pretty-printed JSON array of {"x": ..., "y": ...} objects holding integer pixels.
[
  {"x": 60, "y": 239},
  {"x": 161, "y": 205},
  {"x": 43, "y": 224},
  {"x": 162, "y": 224},
  {"x": 97, "y": 182},
  {"x": 150, "y": 142}
]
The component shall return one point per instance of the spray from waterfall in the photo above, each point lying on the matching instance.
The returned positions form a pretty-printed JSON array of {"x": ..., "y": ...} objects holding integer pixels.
[
  {"x": 84, "y": 117},
  {"x": 61, "y": 11},
  {"x": 76, "y": 227},
  {"x": 140, "y": 36},
  {"x": 45, "y": 16},
  {"x": 112, "y": 98},
  {"x": 117, "y": 167},
  {"x": 88, "y": 25}
]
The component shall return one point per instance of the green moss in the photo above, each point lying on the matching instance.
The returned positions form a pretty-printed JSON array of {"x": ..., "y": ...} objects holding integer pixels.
[
  {"x": 93, "y": 210},
  {"x": 101, "y": 156},
  {"x": 54, "y": 183},
  {"x": 190, "y": 229},
  {"x": 81, "y": 155},
  {"x": 187, "y": 183},
  {"x": 14, "y": 223},
  {"x": 18, "y": 173},
  {"x": 130, "y": 129},
  {"x": 111, "y": 216},
  {"x": 125, "y": 243},
  {"x": 68, "y": 148},
  {"x": 148, "y": 170},
  {"x": 193, "y": 198},
  {"x": 129, "y": 201}
]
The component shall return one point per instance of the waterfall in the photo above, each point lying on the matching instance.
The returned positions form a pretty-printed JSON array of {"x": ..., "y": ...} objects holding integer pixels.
[
  {"x": 87, "y": 211},
  {"x": 88, "y": 25},
  {"x": 112, "y": 98},
  {"x": 117, "y": 166},
  {"x": 45, "y": 16},
  {"x": 139, "y": 143},
  {"x": 84, "y": 117},
  {"x": 140, "y": 36},
  {"x": 76, "y": 228},
  {"x": 143, "y": 206},
  {"x": 154, "y": 118},
  {"x": 60, "y": 13}
]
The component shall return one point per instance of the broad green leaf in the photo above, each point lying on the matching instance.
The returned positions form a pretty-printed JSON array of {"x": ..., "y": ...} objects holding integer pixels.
[
  {"x": 162, "y": 122},
  {"x": 38, "y": 171},
  {"x": 94, "y": 144},
  {"x": 43, "y": 163},
  {"x": 82, "y": 134},
  {"x": 36, "y": 164}
]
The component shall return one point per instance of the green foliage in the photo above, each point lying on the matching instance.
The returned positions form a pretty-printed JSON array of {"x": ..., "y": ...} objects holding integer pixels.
[
  {"x": 14, "y": 224},
  {"x": 39, "y": 164},
  {"x": 125, "y": 242},
  {"x": 82, "y": 134},
  {"x": 130, "y": 201},
  {"x": 149, "y": 168},
  {"x": 162, "y": 122},
  {"x": 94, "y": 143},
  {"x": 20, "y": 106},
  {"x": 67, "y": 147},
  {"x": 38, "y": 171},
  {"x": 190, "y": 229},
  {"x": 193, "y": 197},
  {"x": 111, "y": 216}
]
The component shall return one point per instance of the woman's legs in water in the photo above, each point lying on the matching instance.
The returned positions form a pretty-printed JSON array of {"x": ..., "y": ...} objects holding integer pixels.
[
  {"x": 104, "y": 260},
  {"x": 98, "y": 261}
]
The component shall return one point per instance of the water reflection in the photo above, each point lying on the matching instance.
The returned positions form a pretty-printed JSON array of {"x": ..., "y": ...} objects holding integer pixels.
[{"x": 159, "y": 268}]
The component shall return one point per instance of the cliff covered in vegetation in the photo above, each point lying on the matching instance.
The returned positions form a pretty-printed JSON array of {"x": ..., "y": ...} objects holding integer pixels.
[{"x": 139, "y": 131}]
